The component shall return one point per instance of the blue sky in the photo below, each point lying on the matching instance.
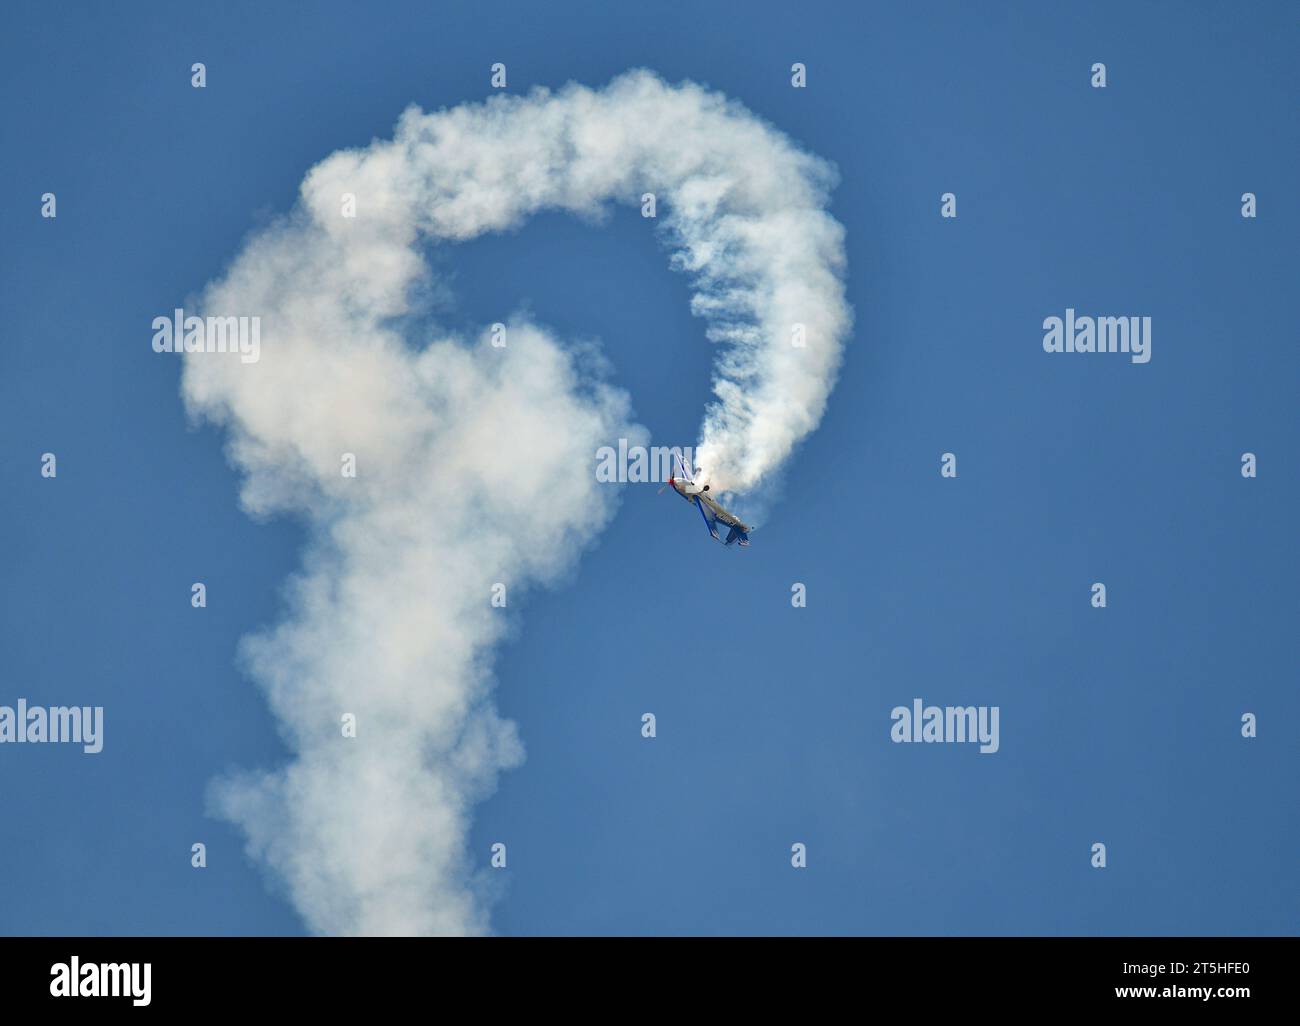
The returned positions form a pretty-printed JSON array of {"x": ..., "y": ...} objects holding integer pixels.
[{"x": 1118, "y": 725}]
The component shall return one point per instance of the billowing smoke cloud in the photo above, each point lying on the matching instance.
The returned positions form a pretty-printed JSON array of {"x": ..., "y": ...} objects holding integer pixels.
[{"x": 459, "y": 445}]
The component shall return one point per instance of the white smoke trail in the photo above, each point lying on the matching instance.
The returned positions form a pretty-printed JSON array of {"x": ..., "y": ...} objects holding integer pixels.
[{"x": 471, "y": 460}]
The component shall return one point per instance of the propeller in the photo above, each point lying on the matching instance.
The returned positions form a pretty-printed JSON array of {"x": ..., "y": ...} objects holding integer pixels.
[{"x": 661, "y": 490}]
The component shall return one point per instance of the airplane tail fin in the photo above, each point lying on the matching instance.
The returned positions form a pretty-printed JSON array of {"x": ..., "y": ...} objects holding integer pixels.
[{"x": 736, "y": 534}]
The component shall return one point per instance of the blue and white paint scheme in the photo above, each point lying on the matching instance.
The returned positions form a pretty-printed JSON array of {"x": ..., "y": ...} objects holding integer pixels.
[{"x": 685, "y": 485}]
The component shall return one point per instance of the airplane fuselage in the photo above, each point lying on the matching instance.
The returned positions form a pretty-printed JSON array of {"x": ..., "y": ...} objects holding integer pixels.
[{"x": 692, "y": 492}]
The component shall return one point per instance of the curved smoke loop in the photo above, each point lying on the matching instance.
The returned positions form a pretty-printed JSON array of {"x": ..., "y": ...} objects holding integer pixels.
[{"x": 457, "y": 444}]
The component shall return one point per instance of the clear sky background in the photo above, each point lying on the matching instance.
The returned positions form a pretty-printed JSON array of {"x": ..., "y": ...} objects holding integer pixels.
[{"x": 1119, "y": 725}]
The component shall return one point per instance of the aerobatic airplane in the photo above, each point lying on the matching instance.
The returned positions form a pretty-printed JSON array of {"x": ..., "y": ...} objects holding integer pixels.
[{"x": 713, "y": 513}]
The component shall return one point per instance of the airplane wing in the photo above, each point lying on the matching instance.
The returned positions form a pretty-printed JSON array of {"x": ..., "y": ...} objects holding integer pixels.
[{"x": 709, "y": 519}]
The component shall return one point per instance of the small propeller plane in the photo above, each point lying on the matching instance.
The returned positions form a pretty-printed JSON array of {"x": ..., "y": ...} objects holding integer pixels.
[{"x": 712, "y": 512}]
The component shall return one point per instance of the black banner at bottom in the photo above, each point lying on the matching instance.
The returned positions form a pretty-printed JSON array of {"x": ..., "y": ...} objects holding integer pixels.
[{"x": 171, "y": 975}]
